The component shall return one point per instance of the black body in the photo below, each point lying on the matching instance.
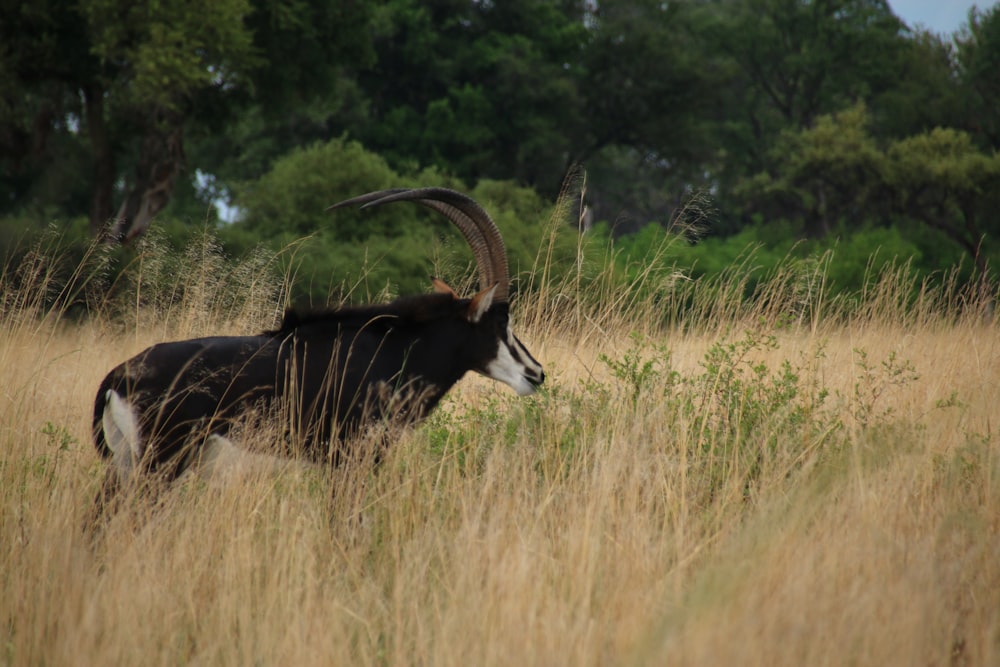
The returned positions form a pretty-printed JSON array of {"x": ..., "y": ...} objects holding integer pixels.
[{"x": 325, "y": 375}]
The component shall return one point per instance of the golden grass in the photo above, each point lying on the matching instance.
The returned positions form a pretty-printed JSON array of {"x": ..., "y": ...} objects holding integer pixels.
[{"x": 668, "y": 517}]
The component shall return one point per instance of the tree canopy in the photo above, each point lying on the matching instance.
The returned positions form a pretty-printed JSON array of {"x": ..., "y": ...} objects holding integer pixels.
[{"x": 819, "y": 117}]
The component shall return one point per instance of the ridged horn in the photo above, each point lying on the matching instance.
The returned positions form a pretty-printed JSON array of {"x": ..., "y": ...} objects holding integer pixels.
[{"x": 472, "y": 220}]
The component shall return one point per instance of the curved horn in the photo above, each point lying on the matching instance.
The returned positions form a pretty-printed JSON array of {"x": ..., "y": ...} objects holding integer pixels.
[{"x": 472, "y": 220}]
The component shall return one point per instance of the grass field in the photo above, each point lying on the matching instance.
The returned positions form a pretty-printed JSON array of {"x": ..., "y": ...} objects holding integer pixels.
[{"x": 771, "y": 485}]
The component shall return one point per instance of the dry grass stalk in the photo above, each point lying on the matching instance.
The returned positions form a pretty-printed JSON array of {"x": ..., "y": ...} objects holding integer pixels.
[{"x": 762, "y": 488}]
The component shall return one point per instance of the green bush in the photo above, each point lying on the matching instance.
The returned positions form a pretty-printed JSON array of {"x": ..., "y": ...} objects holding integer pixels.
[
  {"x": 852, "y": 259},
  {"x": 360, "y": 255}
]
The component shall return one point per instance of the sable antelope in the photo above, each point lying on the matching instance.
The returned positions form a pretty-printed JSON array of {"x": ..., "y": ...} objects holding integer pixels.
[{"x": 331, "y": 374}]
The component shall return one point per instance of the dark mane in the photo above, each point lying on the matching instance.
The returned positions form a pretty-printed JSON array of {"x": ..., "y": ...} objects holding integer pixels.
[{"x": 407, "y": 309}]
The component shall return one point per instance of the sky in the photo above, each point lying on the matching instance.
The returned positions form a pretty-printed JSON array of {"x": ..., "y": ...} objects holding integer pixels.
[{"x": 940, "y": 16}]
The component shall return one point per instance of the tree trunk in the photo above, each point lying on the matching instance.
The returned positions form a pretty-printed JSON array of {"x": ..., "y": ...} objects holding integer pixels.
[
  {"x": 104, "y": 161},
  {"x": 161, "y": 159}
]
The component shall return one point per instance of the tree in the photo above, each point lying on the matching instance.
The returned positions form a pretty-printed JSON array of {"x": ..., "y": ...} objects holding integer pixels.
[
  {"x": 836, "y": 175},
  {"x": 979, "y": 61},
  {"x": 827, "y": 173},
  {"x": 123, "y": 94},
  {"x": 925, "y": 93},
  {"x": 941, "y": 179},
  {"x": 477, "y": 89},
  {"x": 352, "y": 253},
  {"x": 796, "y": 60},
  {"x": 302, "y": 88},
  {"x": 122, "y": 82},
  {"x": 651, "y": 93},
  {"x": 646, "y": 83},
  {"x": 41, "y": 107}
]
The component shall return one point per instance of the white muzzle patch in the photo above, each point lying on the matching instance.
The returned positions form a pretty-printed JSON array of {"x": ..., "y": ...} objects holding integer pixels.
[{"x": 515, "y": 367}]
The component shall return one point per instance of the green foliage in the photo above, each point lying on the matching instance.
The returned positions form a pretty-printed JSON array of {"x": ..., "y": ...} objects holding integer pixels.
[
  {"x": 109, "y": 121},
  {"x": 829, "y": 120},
  {"x": 481, "y": 90},
  {"x": 156, "y": 55},
  {"x": 744, "y": 405},
  {"x": 860, "y": 257},
  {"x": 944, "y": 161},
  {"x": 643, "y": 63},
  {"x": 363, "y": 254},
  {"x": 763, "y": 255},
  {"x": 979, "y": 57},
  {"x": 736, "y": 400},
  {"x": 58, "y": 436},
  {"x": 835, "y": 176},
  {"x": 381, "y": 248},
  {"x": 292, "y": 198},
  {"x": 742, "y": 418},
  {"x": 875, "y": 381},
  {"x": 796, "y": 61},
  {"x": 638, "y": 371},
  {"x": 926, "y": 94},
  {"x": 739, "y": 419},
  {"x": 827, "y": 169},
  {"x": 304, "y": 83}
]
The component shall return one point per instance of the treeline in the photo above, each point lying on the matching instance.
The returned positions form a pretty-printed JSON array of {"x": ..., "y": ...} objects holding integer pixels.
[{"x": 807, "y": 124}]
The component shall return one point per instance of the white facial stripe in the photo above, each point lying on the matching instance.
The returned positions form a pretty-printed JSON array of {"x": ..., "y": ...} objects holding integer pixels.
[{"x": 514, "y": 366}]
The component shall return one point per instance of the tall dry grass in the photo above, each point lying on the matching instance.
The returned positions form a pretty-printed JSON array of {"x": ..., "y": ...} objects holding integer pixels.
[{"x": 778, "y": 481}]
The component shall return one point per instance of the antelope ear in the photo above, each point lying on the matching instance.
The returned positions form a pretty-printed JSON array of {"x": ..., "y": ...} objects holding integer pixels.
[
  {"x": 441, "y": 287},
  {"x": 481, "y": 303}
]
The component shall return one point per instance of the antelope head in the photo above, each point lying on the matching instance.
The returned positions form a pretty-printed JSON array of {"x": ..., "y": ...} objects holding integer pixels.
[{"x": 501, "y": 355}]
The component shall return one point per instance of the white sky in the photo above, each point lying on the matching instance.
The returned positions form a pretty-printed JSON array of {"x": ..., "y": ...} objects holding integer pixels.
[{"x": 940, "y": 16}]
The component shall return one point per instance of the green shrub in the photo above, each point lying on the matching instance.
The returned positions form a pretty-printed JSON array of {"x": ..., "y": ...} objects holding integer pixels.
[{"x": 357, "y": 255}]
